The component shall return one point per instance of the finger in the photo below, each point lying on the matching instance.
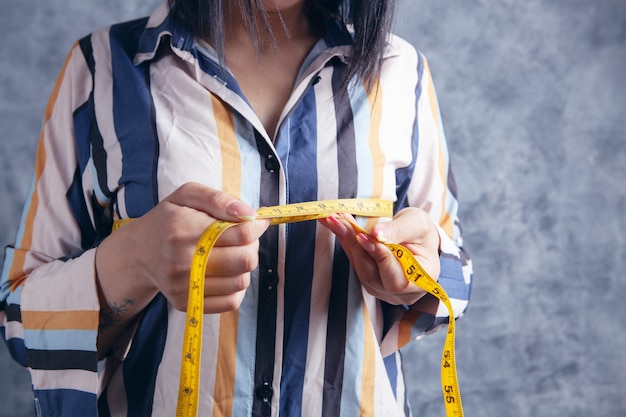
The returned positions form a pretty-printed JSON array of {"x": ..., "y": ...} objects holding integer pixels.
[
  {"x": 226, "y": 261},
  {"x": 223, "y": 303},
  {"x": 215, "y": 203},
  {"x": 410, "y": 225},
  {"x": 344, "y": 233},
  {"x": 243, "y": 234},
  {"x": 377, "y": 268},
  {"x": 414, "y": 229},
  {"x": 389, "y": 273},
  {"x": 227, "y": 285},
  {"x": 387, "y": 280},
  {"x": 339, "y": 228}
]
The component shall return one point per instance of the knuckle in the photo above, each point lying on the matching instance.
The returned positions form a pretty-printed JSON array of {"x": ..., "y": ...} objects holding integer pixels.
[
  {"x": 241, "y": 282},
  {"x": 244, "y": 233},
  {"x": 249, "y": 259},
  {"x": 234, "y": 301}
]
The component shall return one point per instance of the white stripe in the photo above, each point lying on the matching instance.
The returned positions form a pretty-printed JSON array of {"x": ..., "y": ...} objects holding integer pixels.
[
  {"x": 324, "y": 243},
  {"x": 58, "y": 234},
  {"x": 458, "y": 306},
  {"x": 62, "y": 293},
  {"x": 427, "y": 187},
  {"x": 13, "y": 329},
  {"x": 103, "y": 96},
  {"x": 76, "y": 379},
  {"x": 189, "y": 148},
  {"x": 396, "y": 125},
  {"x": 116, "y": 392},
  {"x": 166, "y": 388}
]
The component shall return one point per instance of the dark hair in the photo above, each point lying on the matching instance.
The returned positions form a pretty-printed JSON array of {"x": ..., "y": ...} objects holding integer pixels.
[{"x": 371, "y": 19}]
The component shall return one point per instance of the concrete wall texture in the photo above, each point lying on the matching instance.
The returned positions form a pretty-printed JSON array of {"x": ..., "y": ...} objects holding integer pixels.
[{"x": 533, "y": 97}]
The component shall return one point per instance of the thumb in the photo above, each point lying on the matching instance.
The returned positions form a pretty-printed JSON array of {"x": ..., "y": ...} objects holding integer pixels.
[
  {"x": 215, "y": 203},
  {"x": 410, "y": 225}
]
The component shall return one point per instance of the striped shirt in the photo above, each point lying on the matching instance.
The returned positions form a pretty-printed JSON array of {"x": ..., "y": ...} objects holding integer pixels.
[{"x": 141, "y": 108}]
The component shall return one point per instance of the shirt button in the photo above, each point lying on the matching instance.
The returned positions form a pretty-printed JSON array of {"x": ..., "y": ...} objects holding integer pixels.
[
  {"x": 271, "y": 163},
  {"x": 270, "y": 279},
  {"x": 264, "y": 392}
]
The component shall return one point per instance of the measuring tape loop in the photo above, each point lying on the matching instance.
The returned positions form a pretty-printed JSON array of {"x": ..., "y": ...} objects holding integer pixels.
[{"x": 188, "y": 393}]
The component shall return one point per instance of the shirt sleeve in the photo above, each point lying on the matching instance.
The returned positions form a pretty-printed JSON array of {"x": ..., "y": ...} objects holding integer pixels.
[
  {"x": 432, "y": 188},
  {"x": 49, "y": 308}
]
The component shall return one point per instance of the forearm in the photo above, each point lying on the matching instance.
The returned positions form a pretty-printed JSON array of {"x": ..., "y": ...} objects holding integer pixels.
[{"x": 123, "y": 290}]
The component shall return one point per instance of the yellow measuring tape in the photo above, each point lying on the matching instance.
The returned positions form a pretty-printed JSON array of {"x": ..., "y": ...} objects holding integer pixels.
[{"x": 188, "y": 397}]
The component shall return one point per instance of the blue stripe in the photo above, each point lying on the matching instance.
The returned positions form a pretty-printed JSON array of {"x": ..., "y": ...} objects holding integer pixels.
[
  {"x": 250, "y": 161},
  {"x": 247, "y": 325},
  {"x": 58, "y": 360},
  {"x": 61, "y": 339},
  {"x": 82, "y": 127},
  {"x": 452, "y": 279},
  {"x": 66, "y": 403},
  {"x": 391, "y": 365},
  {"x": 337, "y": 322},
  {"x": 88, "y": 133},
  {"x": 182, "y": 38},
  {"x": 336, "y": 335},
  {"x": 16, "y": 348},
  {"x": 211, "y": 67},
  {"x": 300, "y": 164},
  {"x": 268, "y": 294},
  {"x": 142, "y": 362},
  {"x": 246, "y": 342},
  {"x": 346, "y": 142},
  {"x": 355, "y": 341},
  {"x": 133, "y": 115},
  {"x": 76, "y": 200},
  {"x": 362, "y": 125},
  {"x": 424, "y": 323}
]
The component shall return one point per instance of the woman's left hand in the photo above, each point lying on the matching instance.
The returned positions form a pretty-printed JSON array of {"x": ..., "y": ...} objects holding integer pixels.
[{"x": 376, "y": 266}]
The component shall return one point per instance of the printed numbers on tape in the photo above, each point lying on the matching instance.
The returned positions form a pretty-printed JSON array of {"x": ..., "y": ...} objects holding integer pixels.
[{"x": 188, "y": 397}]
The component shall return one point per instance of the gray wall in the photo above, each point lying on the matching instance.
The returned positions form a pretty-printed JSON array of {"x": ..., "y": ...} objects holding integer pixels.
[{"x": 533, "y": 96}]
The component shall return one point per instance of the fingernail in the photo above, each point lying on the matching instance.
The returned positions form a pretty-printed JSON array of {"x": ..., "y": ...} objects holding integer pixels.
[
  {"x": 365, "y": 242},
  {"x": 380, "y": 236},
  {"x": 240, "y": 210},
  {"x": 336, "y": 226}
]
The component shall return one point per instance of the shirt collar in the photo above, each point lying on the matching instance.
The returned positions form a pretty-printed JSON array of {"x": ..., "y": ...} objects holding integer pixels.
[{"x": 162, "y": 25}]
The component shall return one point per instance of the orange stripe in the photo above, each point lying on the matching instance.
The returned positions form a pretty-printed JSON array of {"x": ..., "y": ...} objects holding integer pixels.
[
  {"x": 368, "y": 377},
  {"x": 375, "y": 98},
  {"x": 226, "y": 365},
  {"x": 60, "y": 320},
  {"x": 405, "y": 327},
  {"x": 231, "y": 156},
  {"x": 227, "y": 348},
  {"x": 17, "y": 275}
]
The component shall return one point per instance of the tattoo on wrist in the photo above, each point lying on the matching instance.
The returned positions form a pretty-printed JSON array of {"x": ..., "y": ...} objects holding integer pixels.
[{"x": 113, "y": 314}]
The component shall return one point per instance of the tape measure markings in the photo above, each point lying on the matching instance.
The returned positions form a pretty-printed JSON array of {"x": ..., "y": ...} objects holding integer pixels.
[{"x": 188, "y": 393}]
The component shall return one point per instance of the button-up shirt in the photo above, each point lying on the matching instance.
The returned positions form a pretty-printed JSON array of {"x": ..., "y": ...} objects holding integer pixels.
[{"x": 141, "y": 108}]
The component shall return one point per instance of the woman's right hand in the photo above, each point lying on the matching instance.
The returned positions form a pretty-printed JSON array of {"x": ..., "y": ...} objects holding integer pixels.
[{"x": 156, "y": 249}]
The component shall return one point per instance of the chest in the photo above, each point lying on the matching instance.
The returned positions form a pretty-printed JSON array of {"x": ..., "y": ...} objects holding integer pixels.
[{"x": 324, "y": 146}]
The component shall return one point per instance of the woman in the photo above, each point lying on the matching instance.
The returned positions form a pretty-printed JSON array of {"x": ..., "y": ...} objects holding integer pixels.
[{"x": 203, "y": 111}]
